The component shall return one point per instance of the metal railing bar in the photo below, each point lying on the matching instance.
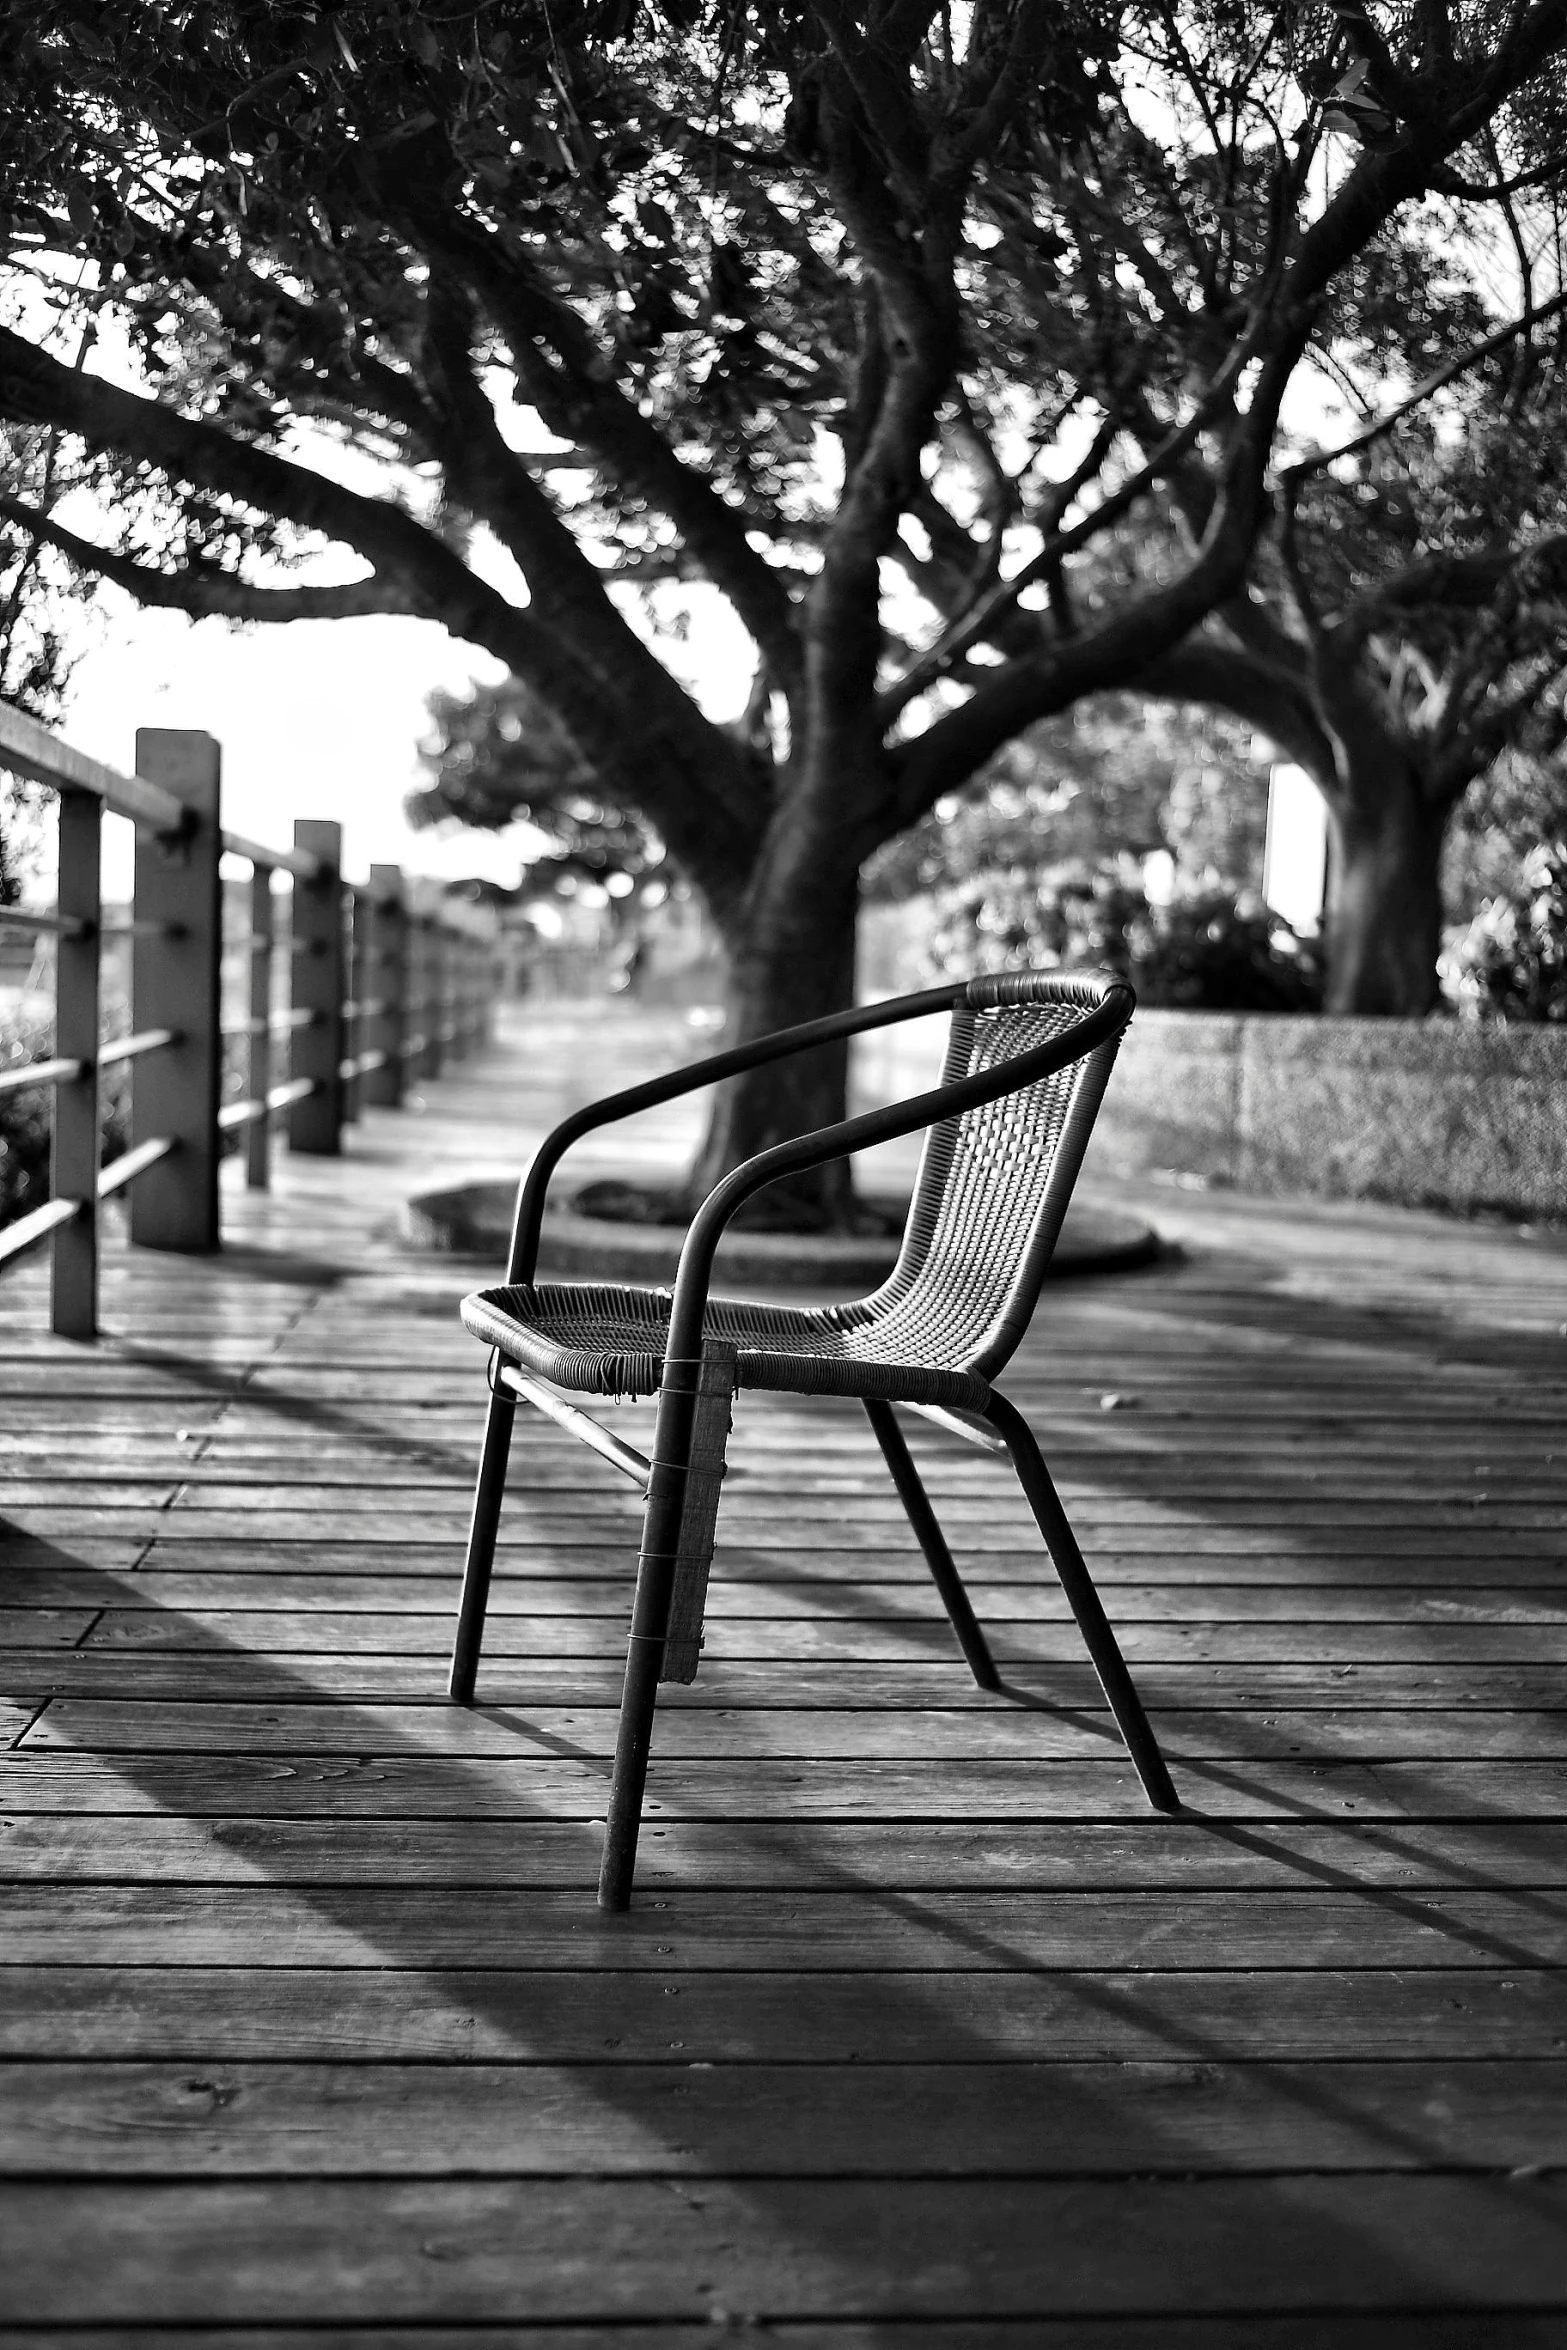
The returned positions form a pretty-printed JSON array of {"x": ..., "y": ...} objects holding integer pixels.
[
  {"x": 360, "y": 1065},
  {"x": 240, "y": 1114},
  {"x": 130, "y": 1164},
  {"x": 36, "y": 1073},
  {"x": 29, "y": 1230},
  {"x": 282, "y": 1023},
  {"x": 135, "y": 929},
  {"x": 32, "y": 750},
  {"x": 411, "y": 1047},
  {"x": 131, "y": 1048},
  {"x": 61, "y": 925},
  {"x": 294, "y": 1091},
  {"x": 255, "y": 1026},
  {"x": 299, "y": 862}
]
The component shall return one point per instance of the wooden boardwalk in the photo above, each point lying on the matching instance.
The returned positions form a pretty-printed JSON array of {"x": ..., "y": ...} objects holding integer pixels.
[{"x": 923, "y": 2030}]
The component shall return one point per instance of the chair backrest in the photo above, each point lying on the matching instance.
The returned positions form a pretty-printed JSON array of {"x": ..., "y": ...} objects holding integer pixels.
[{"x": 994, "y": 1183}]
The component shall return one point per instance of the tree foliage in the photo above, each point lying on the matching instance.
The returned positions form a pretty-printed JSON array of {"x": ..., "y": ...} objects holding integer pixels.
[{"x": 41, "y": 602}]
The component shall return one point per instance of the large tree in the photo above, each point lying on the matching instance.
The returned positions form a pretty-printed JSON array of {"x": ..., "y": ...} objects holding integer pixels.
[
  {"x": 879, "y": 321},
  {"x": 1405, "y": 623}
]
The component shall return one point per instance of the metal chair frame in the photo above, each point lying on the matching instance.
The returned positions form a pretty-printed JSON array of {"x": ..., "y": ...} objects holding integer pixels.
[{"x": 681, "y": 1485}]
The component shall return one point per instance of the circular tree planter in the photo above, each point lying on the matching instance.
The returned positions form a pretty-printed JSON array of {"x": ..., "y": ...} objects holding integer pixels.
[{"x": 474, "y": 1220}]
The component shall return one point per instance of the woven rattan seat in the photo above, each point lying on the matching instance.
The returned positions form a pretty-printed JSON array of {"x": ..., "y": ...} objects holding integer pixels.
[
  {"x": 1028, "y": 1058},
  {"x": 599, "y": 1340}
]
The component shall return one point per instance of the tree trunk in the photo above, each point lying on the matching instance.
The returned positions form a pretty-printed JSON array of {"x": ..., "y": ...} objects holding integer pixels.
[
  {"x": 790, "y": 946},
  {"x": 1384, "y": 913}
]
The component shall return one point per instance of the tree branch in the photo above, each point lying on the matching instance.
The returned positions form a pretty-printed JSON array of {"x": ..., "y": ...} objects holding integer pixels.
[
  {"x": 1060, "y": 543},
  {"x": 1035, "y": 685},
  {"x": 1223, "y": 677},
  {"x": 1461, "y": 583},
  {"x": 206, "y": 593},
  {"x": 580, "y": 404},
  {"x": 1423, "y": 391},
  {"x": 653, "y": 757}
]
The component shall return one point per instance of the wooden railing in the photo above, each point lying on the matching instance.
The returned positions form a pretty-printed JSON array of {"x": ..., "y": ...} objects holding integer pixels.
[{"x": 379, "y": 995}]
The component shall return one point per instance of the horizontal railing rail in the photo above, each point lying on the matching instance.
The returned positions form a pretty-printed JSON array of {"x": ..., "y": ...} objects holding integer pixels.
[{"x": 355, "y": 963}]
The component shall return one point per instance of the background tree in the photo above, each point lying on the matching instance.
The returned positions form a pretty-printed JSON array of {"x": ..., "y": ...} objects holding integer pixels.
[
  {"x": 886, "y": 324},
  {"x": 1403, "y": 626},
  {"x": 498, "y": 756}
]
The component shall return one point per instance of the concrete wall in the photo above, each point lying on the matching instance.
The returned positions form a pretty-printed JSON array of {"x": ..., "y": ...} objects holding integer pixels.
[{"x": 1432, "y": 1113}]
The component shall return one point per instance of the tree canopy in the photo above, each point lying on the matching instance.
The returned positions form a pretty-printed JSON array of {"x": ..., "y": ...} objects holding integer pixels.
[{"x": 955, "y": 350}]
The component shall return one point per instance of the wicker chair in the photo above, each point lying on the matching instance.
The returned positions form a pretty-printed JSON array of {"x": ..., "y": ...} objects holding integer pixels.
[{"x": 1027, "y": 1061}]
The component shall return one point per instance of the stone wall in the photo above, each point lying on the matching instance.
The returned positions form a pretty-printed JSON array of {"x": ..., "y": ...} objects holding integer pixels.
[
  {"x": 1429, "y": 1113},
  {"x": 1436, "y": 1113}
]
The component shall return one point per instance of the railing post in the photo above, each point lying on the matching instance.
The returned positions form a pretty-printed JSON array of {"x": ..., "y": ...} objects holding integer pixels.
[
  {"x": 388, "y": 1029},
  {"x": 474, "y": 969},
  {"x": 74, "y": 1153},
  {"x": 490, "y": 969},
  {"x": 358, "y": 931},
  {"x": 318, "y": 987},
  {"x": 436, "y": 995},
  {"x": 175, "y": 970},
  {"x": 258, "y": 1061},
  {"x": 456, "y": 1044}
]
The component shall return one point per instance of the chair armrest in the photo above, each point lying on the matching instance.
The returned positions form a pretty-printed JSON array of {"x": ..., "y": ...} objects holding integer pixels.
[
  {"x": 529, "y": 1217},
  {"x": 694, "y": 1277}
]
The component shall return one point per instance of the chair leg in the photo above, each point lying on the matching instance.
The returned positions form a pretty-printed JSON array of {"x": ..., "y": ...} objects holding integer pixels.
[
  {"x": 687, "y": 1390},
  {"x": 928, "y": 1534},
  {"x": 487, "y": 1498},
  {"x": 1084, "y": 1601},
  {"x": 633, "y": 1742}
]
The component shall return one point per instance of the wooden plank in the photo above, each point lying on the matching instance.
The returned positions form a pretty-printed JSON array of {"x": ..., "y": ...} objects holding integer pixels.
[
  {"x": 864, "y": 1626},
  {"x": 855, "y": 2015},
  {"x": 45, "y": 1847},
  {"x": 441, "y": 1475},
  {"x": 314, "y": 2251},
  {"x": 947, "y": 2120},
  {"x": 921, "y": 1670},
  {"x": 45, "y": 1627},
  {"x": 1464, "y": 1571},
  {"x": 1475, "y": 2328},
  {"x": 295, "y": 1783},
  {"x": 211, "y": 1496},
  {"x": 147, "y": 1606},
  {"x": 730, "y": 1716},
  {"x": 720, "y": 1928}
]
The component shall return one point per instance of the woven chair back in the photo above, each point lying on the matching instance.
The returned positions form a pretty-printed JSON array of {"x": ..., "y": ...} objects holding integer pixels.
[{"x": 994, "y": 1183}]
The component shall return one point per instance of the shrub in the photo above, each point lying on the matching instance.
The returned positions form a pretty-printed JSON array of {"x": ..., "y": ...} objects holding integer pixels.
[
  {"x": 1511, "y": 961},
  {"x": 1214, "y": 953},
  {"x": 1209, "y": 951},
  {"x": 27, "y": 1119}
]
